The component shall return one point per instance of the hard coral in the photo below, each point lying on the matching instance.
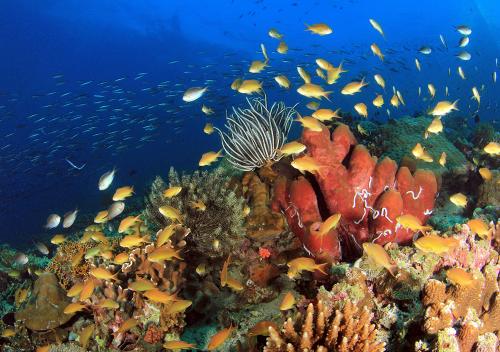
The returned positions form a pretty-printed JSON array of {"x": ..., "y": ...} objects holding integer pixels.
[
  {"x": 61, "y": 266},
  {"x": 368, "y": 194},
  {"x": 45, "y": 309},
  {"x": 321, "y": 330},
  {"x": 222, "y": 220},
  {"x": 262, "y": 223}
]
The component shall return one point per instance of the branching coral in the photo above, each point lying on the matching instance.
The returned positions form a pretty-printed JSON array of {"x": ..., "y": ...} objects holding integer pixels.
[
  {"x": 320, "y": 330},
  {"x": 221, "y": 221},
  {"x": 61, "y": 263},
  {"x": 255, "y": 135}
]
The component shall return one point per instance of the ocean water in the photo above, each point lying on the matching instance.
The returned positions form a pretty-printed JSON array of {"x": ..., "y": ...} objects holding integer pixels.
[{"x": 46, "y": 118}]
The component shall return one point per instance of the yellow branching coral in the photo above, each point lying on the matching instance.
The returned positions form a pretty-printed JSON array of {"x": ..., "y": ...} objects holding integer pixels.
[{"x": 320, "y": 330}]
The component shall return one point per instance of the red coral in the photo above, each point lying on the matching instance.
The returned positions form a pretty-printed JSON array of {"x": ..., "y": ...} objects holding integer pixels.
[
  {"x": 264, "y": 253},
  {"x": 368, "y": 194},
  {"x": 153, "y": 335}
]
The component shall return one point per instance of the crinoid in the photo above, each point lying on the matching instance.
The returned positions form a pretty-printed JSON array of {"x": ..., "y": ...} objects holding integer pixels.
[{"x": 255, "y": 134}]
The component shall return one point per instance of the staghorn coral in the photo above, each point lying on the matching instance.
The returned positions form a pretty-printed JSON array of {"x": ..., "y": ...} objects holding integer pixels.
[
  {"x": 262, "y": 223},
  {"x": 320, "y": 330},
  {"x": 222, "y": 221},
  {"x": 60, "y": 264}
]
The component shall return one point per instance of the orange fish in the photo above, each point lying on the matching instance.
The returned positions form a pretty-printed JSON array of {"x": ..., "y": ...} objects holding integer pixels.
[
  {"x": 178, "y": 306},
  {"x": 74, "y": 307},
  {"x": 141, "y": 285},
  {"x": 87, "y": 290},
  {"x": 459, "y": 277},
  {"x": 219, "y": 338},
  {"x": 158, "y": 296},
  {"x": 179, "y": 345},
  {"x": 262, "y": 328},
  {"x": 85, "y": 335},
  {"x": 288, "y": 301},
  {"x": 223, "y": 273},
  {"x": 75, "y": 289},
  {"x": 103, "y": 274},
  {"x": 127, "y": 325}
]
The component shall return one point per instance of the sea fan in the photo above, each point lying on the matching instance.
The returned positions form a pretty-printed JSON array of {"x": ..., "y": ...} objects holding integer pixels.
[{"x": 255, "y": 134}]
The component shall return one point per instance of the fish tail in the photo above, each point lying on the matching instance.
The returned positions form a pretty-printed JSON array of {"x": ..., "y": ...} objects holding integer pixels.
[
  {"x": 326, "y": 94},
  {"x": 322, "y": 268}
]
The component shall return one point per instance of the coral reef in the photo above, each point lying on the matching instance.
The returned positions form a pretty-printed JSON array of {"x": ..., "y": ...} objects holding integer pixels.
[
  {"x": 262, "y": 223},
  {"x": 222, "y": 221},
  {"x": 368, "y": 195},
  {"x": 45, "y": 309},
  {"x": 321, "y": 329}
]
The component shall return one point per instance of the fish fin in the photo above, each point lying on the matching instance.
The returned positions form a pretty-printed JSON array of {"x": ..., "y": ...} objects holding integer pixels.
[{"x": 322, "y": 268}]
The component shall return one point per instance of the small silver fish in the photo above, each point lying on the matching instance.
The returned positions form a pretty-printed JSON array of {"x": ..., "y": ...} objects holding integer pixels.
[
  {"x": 115, "y": 209},
  {"x": 69, "y": 218},
  {"x": 21, "y": 258},
  {"x": 106, "y": 179},
  {"x": 52, "y": 221},
  {"x": 42, "y": 248}
]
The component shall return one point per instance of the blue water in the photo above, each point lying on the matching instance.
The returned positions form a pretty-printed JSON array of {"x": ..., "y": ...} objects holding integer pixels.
[{"x": 61, "y": 61}]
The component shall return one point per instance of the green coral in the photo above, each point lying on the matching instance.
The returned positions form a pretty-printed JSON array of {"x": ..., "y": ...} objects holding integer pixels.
[
  {"x": 222, "y": 221},
  {"x": 399, "y": 137}
]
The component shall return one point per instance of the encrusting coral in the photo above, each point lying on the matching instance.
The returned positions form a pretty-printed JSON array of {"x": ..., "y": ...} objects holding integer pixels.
[
  {"x": 45, "y": 309},
  {"x": 222, "y": 219},
  {"x": 262, "y": 223},
  {"x": 322, "y": 330}
]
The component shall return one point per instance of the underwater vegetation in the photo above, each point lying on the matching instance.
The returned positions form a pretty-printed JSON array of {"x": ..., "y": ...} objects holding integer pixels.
[{"x": 360, "y": 235}]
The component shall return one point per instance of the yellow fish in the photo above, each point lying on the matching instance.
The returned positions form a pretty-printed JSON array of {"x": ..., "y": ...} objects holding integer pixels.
[
  {"x": 353, "y": 87},
  {"x": 297, "y": 265},
  {"x": 313, "y": 105},
  {"x": 178, "y": 306},
  {"x": 103, "y": 274},
  {"x": 87, "y": 289},
  {"x": 329, "y": 224},
  {"x": 101, "y": 217},
  {"x": 172, "y": 192},
  {"x": 411, "y": 222},
  {"x": 6, "y": 333},
  {"x": 287, "y": 302},
  {"x": 377, "y": 27},
  {"x": 444, "y": 108},
  {"x": 236, "y": 84},
  {"x": 121, "y": 258},
  {"x": 378, "y": 101},
  {"x": 311, "y": 90},
  {"x": 273, "y": 33},
  {"x": 133, "y": 241},
  {"x": 219, "y": 338},
  {"x": 492, "y": 148},
  {"x": 159, "y": 296},
  {"x": 123, "y": 192},
  {"x": 480, "y": 227},
  {"x": 209, "y": 158},
  {"x": 361, "y": 109},
  {"x": 459, "y": 199},
  {"x": 170, "y": 213},
  {"x": 257, "y": 66},
  {"x": 436, "y": 126},
  {"x": 436, "y": 244},
  {"x": 198, "y": 205},
  {"x": 164, "y": 235},
  {"x": 379, "y": 256},
  {"x": 128, "y": 222},
  {"x": 476, "y": 96},
  {"x": 459, "y": 277},
  {"x": 208, "y": 128},
  {"x": 74, "y": 307},
  {"x": 442, "y": 159},
  {"x": 333, "y": 74},
  {"x": 127, "y": 325},
  {"x": 376, "y": 51},
  {"x": 75, "y": 260},
  {"x": 206, "y": 110},
  {"x": 461, "y": 72},
  {"x": 394, "y": 100},
  {"x": 420, "y": 153},
  {"x": 234, "y": 284},
  {"x": 141, "y": 285},
  {"x": 292, "y": 148},
  {"x": 310, "y": 123},
  {"x": 485, "y": 173},
  {"x": 319, "y": 28},
  {"x": 108, "y": 303},
  {"x": 282, "y": 48},
  {"x": 282, "y": 81},
  {"x": 380, "y": 80},
  {"x": 306, "y": 163},
  {"x": 85, "y": 336},
  {"x": 432, "y": 90},
  {"x": 75, "y": 290},
  {"x": 249, "y": 86},
  {"x": 58, "y": 239},
  {"x": 179, "y": 345},
  {"x": 326, "y": 114},
  {"x": 164, "y": 253},
  {"x": 304, "y": 74}
]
